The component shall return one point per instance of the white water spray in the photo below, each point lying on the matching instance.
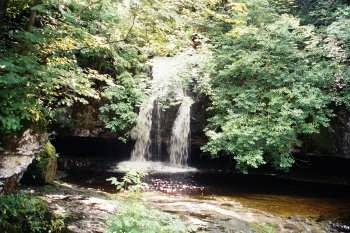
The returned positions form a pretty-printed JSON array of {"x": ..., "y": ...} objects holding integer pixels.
[
  {"x": 166, "y": 84},
  {"x": 180, "y": 135},
  {"x": 142, "y": 132}
]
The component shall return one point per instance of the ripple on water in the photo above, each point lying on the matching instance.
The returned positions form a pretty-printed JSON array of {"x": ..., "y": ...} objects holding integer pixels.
[
  {"x": 276, "y": 197},
  {"x": 150, "y": 167}
]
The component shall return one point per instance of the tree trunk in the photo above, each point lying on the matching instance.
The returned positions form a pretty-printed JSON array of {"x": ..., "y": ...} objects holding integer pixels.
[
  {"x": 3, "y": 8},
  {"x": 31, "y": 20}
]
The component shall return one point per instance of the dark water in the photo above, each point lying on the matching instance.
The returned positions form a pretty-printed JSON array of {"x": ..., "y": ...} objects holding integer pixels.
[
  {"x": 267, "y": 193},
  {"x": 306, "y": 192}
]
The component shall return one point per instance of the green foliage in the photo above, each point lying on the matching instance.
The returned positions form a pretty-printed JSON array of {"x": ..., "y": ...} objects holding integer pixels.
[
  {"x": 19, "y": 105},
  {"x": 135, "y": 217},
  {"x": 278, "y": 68},
  {"x": 271, "y": 80},
  {"x": 131, "y": 181},
  {"x": 13, "y": 8},
  {"x": 78, "y": 51},
  {"x": 68, "y": 59},
  {"x": 320, "y": 13},
  {"x": 23, "y": 213},
  {"x": 118, "y": 111}
]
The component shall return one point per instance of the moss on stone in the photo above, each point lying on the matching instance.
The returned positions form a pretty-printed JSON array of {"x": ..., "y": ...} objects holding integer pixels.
[
  {"x": 264, "y": 228},
  {"x": 44, "y": 166}
]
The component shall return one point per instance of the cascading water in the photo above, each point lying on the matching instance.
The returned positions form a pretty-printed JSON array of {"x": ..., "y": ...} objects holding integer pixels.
[
  {"x": 158, "y": 137},
  {"x": 180, "y": 135},
  {"x": 166, "y": 85},
  {"x": 142, "y": 132}
]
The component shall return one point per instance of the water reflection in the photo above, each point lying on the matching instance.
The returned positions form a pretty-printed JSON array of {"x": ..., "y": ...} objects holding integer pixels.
[{"x": 279, "y": 197}]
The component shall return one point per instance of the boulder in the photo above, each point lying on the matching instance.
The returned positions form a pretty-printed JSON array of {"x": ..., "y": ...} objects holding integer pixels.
[
  {"x": 19, "y": 153},
  {"x": 43, "y": 168},
  {"x": 12, "y": 168}
]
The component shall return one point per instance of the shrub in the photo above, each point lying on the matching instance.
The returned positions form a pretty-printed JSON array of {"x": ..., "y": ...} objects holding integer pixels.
[
  {"x": 21, "y": 213},
  {"x": 136, "y": 217},
  {"x": 131, "y": 181}
]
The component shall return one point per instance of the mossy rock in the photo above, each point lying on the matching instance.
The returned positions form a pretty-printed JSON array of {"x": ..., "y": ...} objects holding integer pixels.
[{"x": 44, "y": 167}]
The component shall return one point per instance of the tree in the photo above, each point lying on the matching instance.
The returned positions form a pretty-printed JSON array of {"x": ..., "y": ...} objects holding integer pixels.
[{"x": 271, "y": 81}]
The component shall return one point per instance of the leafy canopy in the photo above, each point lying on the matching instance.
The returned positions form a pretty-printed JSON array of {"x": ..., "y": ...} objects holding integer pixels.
[{"x": 272, "y": 79}]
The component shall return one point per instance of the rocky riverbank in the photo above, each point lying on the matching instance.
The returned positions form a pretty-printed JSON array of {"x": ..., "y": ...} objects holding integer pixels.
[{"x": 87, "y": 210}]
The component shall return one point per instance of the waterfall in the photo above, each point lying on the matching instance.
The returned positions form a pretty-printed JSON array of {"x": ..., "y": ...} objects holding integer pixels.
[
  {"x": 142, "y": 132},
  {"x": 166, "y": 86},
  {"x": 180, "y": 135},
  {"x": 158, "y": 136}
]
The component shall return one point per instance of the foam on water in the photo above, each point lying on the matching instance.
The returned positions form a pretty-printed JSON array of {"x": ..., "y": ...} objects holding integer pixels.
[{"x": 151, "y": 167}]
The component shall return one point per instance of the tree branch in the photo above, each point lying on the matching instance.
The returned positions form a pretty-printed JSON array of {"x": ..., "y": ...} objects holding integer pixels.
[{"x": 127, "y": 34}]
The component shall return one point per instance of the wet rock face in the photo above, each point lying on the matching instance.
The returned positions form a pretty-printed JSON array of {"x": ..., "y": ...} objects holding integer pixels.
[
  {"x": 199, "y": 116},
  {"x": 161, "y": 131},
  {"x": 333, "y": 140},
  {"x": 18, "y": 155},
  {"x": 81, "y": 120},
  {"x": 86, "y": 121}
]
